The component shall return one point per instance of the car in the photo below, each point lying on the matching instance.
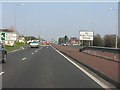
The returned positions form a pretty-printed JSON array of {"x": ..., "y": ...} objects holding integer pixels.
[
  {"x": 64, "y": 44},
  {"x": 3, "y": 53},
  {"x": 28, "y": 42},
  {"x": 34, "y": 44}
]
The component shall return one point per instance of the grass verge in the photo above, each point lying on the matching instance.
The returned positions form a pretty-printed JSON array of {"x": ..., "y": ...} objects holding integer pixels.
[{"x": 17, "y": 46}]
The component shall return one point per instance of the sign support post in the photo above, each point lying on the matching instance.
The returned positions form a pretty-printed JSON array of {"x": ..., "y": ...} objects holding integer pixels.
[{"x": 86, "y": 36}]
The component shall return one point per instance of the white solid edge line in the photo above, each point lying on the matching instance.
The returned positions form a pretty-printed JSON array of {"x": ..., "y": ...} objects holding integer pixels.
[
  {"x": 88, "y": 74},
  {"x": 2, "y": 73}
]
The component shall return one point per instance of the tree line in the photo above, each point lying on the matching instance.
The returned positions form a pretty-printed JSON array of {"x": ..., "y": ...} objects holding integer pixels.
[{"x": 106, "y": 41}]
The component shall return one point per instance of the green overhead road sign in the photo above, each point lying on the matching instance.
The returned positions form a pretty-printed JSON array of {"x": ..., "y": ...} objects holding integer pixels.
[{"x": 2, "y": 36}]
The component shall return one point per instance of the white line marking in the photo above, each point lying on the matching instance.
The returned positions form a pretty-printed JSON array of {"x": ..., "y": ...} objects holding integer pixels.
[
  {"x": 41, "y": 48},
  {"x": 2, "y": 73},
  {"x": 15, "y": 50},
  {"x": 24, "y": 58},
  {"x": 22, "y": 48},
  {"x": 36, "y": 51},
  {"x": 88, "y": 74}
]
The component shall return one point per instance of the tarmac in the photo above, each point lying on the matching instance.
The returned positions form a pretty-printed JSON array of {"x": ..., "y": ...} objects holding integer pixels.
[{"x": 107, "y": 69}]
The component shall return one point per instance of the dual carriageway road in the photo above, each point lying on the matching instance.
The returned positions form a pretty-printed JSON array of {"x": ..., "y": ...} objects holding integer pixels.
[{"x": 44, "y": 67}]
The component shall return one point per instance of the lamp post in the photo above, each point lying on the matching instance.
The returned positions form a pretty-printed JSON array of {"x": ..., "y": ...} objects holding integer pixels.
[
  {"x": 15, "y": 14},
  {"x": 15, "y": 18},
  {"x": 90, "y": 22},
  {"x": 116, "y": 39}
]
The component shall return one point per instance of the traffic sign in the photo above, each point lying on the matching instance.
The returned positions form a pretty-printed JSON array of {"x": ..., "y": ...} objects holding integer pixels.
[
  {"x": 86, "y": 35},
  {"x": 2, "y": 36}
]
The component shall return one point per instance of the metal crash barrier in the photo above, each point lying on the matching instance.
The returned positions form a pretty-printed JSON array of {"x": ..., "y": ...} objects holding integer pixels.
[{"x": 109, "y": 53}]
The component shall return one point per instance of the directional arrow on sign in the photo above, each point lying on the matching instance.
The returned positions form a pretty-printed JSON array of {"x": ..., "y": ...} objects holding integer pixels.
[{"x": 2, "y": 36}]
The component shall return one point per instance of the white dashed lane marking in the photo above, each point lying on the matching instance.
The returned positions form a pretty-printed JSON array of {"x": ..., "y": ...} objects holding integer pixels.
[
  {"x": 2, "y": 73},
  {"x": 24, "y": 58},
  {"x": 38, "y": 49}
]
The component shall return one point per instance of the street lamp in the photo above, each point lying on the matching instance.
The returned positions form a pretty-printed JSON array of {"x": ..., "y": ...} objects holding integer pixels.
[
  {"x": 90, "y": 22},
  {"x": 15, "y": 14},
  {"x": 116, "y": 40}
]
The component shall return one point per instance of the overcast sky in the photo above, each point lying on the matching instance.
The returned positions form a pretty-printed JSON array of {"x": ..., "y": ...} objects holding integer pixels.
[{"x": 55, "y": 19}]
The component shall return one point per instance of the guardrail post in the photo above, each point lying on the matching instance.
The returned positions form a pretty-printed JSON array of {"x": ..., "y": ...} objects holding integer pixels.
[
  {"x": 103, "y": 54},
  {"x": 115, "y": 56},
  {"x": 94, "y": 52}
]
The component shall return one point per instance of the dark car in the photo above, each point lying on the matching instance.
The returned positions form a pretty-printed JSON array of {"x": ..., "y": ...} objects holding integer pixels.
[{"x": 3, "y": 53}]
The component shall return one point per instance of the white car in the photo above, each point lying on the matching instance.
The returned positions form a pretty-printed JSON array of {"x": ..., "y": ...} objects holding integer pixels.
[
  {"x": 34, "y": 44},
  {"x": 64, "y": 44}
]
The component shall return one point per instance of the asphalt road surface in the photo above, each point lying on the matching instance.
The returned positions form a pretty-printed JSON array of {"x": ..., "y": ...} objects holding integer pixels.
[{"x": 42, "y": 67}]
